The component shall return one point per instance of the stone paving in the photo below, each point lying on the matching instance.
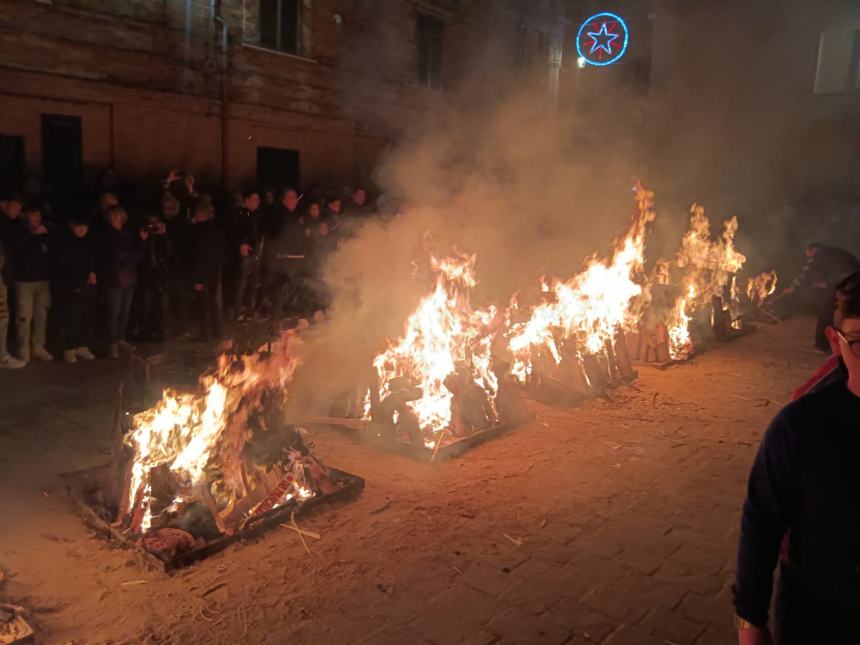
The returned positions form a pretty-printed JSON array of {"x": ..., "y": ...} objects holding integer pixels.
[{"x": 613, "y": 523}]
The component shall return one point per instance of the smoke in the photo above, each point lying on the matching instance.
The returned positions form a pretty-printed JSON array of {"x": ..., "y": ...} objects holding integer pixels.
[
  {"x": 733, "y": 122},
  {"x": 498, "y": 172}
]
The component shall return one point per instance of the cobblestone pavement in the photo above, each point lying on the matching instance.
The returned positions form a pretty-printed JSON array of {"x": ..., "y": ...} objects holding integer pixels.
[{"x": 614, "y": 522}]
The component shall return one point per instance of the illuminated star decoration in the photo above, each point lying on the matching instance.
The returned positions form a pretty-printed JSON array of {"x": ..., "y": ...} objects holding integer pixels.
[{"x": 601, "y": 39}]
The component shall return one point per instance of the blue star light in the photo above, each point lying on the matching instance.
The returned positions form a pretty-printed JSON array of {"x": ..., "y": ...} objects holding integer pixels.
[
  {"x": 596, "y": 47},
  {"x": 601, "y": 40}
]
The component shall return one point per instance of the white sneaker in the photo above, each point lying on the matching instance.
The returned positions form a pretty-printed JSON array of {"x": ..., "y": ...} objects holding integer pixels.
[
  {"x": 113, "y": 350},
  {"x": 84, "y": 353},
  {"x": 70, "y": 356},
  {"x": 8, "y": 362},
  {"x": 42, "y": 354}
]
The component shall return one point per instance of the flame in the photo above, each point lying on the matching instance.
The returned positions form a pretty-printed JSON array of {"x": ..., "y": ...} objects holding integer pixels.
[
  {"x": 710, "y": 263},
  {"x": 761, "y": 286},
  {"x": 710, "y": 266},
  {"x": 193, "y": 433},
  {"x": 590, "y": 307},
  {"x": 678, "y": 326},
  {"x": 444, "y": 337}
]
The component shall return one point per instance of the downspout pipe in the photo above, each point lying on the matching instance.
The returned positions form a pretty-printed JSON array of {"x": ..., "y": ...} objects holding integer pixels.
[{"x": 221, "y": 24}]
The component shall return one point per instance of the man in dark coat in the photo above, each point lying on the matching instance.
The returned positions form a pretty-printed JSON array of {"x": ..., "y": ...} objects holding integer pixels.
[
  {"x": 205, "y": 268},
  {"x": 75, "y": 288},
  {"x": 31, "y": 257},
  {"x": 825, "y": 267},
  {"x": 805, "y": 481},
  {"x": 285, "y": 252},
  {"x": 245, "y": 246},
  {"x": 119, "y": 255}
]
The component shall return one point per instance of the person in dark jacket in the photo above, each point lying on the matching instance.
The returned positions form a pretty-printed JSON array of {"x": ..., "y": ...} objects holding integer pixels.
[
  {"x": 7, "y": 361},
  {"x": 32, "y": 265},
  {"x": 825, "y": 267},
  {"x": 285, "y": 252},
  {"x": 207, "y": 263},
  {"x": 11, "y": 205},
  {"x": 156, "y": 279},
  {"x": 178, "y": 225},
  {"x": 75, "y": 289},
  {"x": 245, "y": 247},
  {"x": 805, "y": 481},
  {"x": 119, "y": 257}
]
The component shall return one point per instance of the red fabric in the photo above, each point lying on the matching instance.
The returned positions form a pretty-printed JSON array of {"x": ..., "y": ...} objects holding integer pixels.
[{"x": 829, "y": 365}]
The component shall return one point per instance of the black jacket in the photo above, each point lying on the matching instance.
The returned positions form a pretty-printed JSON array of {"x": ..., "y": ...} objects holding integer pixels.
[
  {"x": 31, "y": 257},
  {"x": 805, "y": 480},
  {"x": 244, "y": 229},
  {"x": 286, "y": 248},
  {"x": 74, "y": 260},
  {"x": 179, "y": 230},
  {"x": 119, "y": 254},
  {"x": 207, "y": 252},
  {"x": 829, "y": 265}
]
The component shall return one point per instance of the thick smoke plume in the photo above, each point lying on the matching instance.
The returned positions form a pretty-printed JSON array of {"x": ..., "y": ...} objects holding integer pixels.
[{"x": 528, "y": 189}]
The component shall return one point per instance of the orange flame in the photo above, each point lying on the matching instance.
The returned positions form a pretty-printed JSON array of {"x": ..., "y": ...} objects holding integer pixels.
[
  {"x": 590, "y": 307},
  {"x": 761, "y": 286},
  {"x": 444, "y": 336},
  {"x": 189, "y": 432}
]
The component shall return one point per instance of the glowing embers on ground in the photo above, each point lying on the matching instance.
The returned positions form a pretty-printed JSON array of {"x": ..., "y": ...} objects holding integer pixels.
[
  {"x": 198, "y": 468},
  {"x": 439, "y": 382}
]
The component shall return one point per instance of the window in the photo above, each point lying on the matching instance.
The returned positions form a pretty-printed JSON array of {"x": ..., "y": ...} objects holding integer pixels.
[
  {"x": 281, "y": 25},
  {"x": 838, "y": 70},
  {"x": 430, "y": 36}
]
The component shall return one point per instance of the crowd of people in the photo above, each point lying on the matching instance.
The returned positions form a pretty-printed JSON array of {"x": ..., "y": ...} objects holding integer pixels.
[{"x": 120, "y": 274}]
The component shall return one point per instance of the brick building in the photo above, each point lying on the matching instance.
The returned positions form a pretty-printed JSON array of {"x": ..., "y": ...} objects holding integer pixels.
[{"x": 284, "y": 91}]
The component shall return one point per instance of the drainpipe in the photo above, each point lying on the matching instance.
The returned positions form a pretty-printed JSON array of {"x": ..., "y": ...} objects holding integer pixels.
[{"x": 221, "y": 24}]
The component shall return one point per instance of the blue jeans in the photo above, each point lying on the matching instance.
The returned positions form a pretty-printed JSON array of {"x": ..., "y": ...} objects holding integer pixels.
[{"x": 119, "y": 306}]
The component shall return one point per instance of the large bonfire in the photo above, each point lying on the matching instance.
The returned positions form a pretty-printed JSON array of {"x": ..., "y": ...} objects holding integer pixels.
[{"x": 223, "y": 454}]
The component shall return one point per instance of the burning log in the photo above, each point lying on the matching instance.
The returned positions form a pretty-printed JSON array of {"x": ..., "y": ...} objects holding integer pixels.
[{"x": 199, "y": 468}]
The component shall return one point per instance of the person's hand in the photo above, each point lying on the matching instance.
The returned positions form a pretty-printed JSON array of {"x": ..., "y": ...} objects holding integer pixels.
[
  {"x": 754, "y": 636},
  {"x": 189, "y": 184},
  {"x": 144, "y": 234},
  {"x": 172, "y": 176},
  {"x": 91, "y": 278},
  {"x": 788, "y": 291},
  {"x": 160, "y": 229},
  {"x": 40, "y": 230},
  {"x": 198, "y": 286},
  {"x": 244, "y": 250}
]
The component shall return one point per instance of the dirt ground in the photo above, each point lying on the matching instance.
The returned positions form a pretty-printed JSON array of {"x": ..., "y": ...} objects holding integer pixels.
[{"x": 612, "y": 522}]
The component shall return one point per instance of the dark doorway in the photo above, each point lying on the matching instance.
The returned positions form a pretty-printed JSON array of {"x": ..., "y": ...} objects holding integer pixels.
[
  {"x": 11, "y": 162},
  {"x": 277, "y": 168},
  {"x": 62, "y": 156}
]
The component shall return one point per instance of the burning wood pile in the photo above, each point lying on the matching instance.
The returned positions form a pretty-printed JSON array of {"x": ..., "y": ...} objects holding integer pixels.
[
  {"x": 696, "y": 297},
  {"x": 199, "y": 469},
  {"x": 454, "y": 370},
  {"x": 440, "y": 384},
  {"x": 573, "y": 343}
]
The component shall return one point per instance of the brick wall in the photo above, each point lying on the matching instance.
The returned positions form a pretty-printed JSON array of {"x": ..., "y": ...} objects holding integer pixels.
[{"x": 146, "y": 79}]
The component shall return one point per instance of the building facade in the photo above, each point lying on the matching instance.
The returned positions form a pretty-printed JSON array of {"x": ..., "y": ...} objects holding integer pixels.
[
  {"x": 240, "y": 91},
  {"x": 753, "y": 105}
]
